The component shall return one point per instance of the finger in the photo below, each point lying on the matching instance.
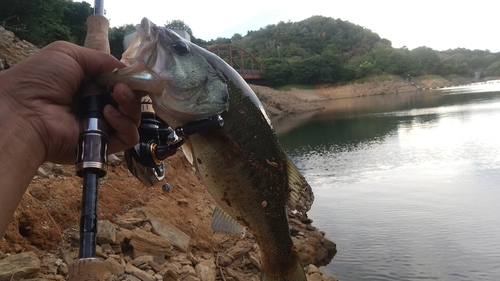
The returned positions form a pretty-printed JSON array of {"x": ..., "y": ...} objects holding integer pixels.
[
  {"x": 124, "y": 132},
  {"x": 91, "y": 61},
  {"x": 129, "y": 102}
]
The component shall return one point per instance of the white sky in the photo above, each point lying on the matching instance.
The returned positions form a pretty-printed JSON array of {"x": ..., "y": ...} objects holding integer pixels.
[{"x": 437, "y": 24}]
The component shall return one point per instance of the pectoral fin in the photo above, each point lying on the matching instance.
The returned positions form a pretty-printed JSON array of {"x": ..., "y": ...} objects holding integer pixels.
[{"x": 188, "y": 151}]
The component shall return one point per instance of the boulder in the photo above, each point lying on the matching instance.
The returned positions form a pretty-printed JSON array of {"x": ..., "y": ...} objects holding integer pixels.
[
  {"x": 19, "y": 266},
  {"x": 146, "y": 243}
]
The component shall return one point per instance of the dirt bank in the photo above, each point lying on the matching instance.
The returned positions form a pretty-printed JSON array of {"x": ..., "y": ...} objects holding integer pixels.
[
  {"x": 298, "y": 101},
  {"x": 301, "y": 101}
]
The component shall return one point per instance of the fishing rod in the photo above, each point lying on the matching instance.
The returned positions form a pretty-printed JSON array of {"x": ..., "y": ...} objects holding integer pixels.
[
  {"x": 158, "y": 141},
  {"x": 91, "y": 155}
]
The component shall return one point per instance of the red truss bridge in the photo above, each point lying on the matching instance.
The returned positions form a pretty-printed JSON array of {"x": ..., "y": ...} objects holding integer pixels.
[{"x": 242, "y": 61}]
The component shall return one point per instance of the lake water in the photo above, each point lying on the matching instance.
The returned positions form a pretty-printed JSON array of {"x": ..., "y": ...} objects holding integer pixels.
[{"x": 407, "y": 185}]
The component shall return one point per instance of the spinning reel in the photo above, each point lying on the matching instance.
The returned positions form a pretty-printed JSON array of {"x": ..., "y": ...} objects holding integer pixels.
[{"x": 158, "y": 141}]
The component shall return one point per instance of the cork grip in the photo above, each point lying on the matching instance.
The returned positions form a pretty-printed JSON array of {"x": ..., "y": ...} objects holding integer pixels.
[{"x": 97, "y": 33}]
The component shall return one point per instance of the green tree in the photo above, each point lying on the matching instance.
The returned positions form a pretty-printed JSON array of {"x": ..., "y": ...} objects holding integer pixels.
[
  {"x": 427, "y": 60},
  {"x": 36, "y": 21},
  {"x": 45, "y": 21},
  {"x": 401, "y": 63},
  {"x": 179, "y": 24},
  {"x": 277, "y": 71},
  {"x": 493, "y": 69},
  {"x": 116, "y": 35},
  {"x": 75, "y": 16}
]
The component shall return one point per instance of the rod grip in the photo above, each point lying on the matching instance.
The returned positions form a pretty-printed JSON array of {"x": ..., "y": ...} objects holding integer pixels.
[{"x": 97, "y": 33}]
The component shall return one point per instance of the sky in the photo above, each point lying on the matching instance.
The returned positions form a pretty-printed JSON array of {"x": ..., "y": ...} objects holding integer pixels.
[{"x": 437, "y": 24}]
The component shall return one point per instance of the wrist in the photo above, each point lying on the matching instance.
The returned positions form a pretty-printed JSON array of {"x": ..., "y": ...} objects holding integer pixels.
[
  {"x": 20, "y": 157},
  {"x": 20, "y": 143}
]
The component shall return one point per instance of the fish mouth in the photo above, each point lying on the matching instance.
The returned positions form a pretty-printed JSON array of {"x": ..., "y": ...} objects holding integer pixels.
[{"x": 147, "y": 29}]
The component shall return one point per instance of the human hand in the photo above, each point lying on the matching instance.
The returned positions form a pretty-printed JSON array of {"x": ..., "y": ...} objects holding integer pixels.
[
  {"x": 38, "y": 121},
  {"x": 38, "y": 99}
]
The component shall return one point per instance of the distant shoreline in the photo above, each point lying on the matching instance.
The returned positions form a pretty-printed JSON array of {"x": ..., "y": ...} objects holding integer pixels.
[{"x": 297, "y": 101}]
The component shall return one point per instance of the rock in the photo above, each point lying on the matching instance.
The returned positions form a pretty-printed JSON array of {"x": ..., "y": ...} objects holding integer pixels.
[
  {"x": 12, "y": 49},
  {"x": 312, "y": 246},
  {"x": 42, "y": 173},
  {"x": 188, "y": 270},
  {"x": 123, "y": 235},
  {"x": 86, "y": 269},
  {"x": 254, "y": 260},
  {"x": 224, "y": 260},
  {"x": 106, "y": 232},
  {"x": 19, "y": 266},
  {"x": 238, "y": 250},
  {"x": 235, "y": 274},
  {"x": 139, "y": 261},
  {"x": 310, "y": 269},
  {"x": 156, "y": 266},
  {"x": 146, "y": 243},
  {"x": 313, "y": 273},
  {"x": 107, "y": 249},
  {"x": 182, "y": 202},
  {"x": 182, "y": 259},
  {"x": 100, "y": 253},
  {"x": 130, "y": 222},
  {"x": 191, "y": 278},
  {"x": 63, "y": 269},
  {"x": 113, "y": 267},
  {"x": 314, "y": 277},
  {"x": 205, "y": 270},
  {"x": 131, "y": 278},
  {"x": 113, "y": 160},
  {"x": 174, "y": 267},
  {"x": 178, "y": 238},
  {"x": 170, "y": 275},
  {"x": 139, "y": 273}
]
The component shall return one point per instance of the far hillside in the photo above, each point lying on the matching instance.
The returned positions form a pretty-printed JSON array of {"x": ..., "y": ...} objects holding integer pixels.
[{"x": 318, "y": 50}]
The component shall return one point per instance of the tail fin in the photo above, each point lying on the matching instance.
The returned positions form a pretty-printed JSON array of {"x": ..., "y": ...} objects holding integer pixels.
[{"x": 292, "y": 272}]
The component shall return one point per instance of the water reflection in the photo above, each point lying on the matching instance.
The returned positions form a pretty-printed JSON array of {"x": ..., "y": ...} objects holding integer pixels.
[
  {"x": 348, "y": 120},
  {"x": 406, "y": 185}
]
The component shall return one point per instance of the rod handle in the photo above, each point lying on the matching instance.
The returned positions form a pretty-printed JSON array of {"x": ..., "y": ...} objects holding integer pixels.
[{"x": 97, "y": 33}]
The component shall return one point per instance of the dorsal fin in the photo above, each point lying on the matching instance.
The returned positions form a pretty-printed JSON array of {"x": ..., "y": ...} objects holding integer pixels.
[
  {"x": 301, "y": 194},
  {"x": 222, "y": 222}
]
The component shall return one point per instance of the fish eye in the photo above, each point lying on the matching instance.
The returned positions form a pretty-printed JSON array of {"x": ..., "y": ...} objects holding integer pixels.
[{"x": 181, "y": 47}]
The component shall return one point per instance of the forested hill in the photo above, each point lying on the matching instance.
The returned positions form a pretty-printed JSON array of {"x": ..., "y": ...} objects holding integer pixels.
[
  {"x": 326, "y": 50},
  {"x": 313, "y": 51}
]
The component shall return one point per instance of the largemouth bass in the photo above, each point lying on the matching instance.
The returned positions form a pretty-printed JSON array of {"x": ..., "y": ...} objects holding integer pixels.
[{"x": 242, "y": 165}]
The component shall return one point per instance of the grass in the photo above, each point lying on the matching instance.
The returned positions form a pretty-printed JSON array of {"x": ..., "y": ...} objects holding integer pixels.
[
  {"x": 370, "y": 78},
  {"x": 430, "y": 76},
  {"x": 296, "y": 86}
]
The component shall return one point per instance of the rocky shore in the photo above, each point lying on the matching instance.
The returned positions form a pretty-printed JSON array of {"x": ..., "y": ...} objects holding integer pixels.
[{"x": 144, "y": 233}]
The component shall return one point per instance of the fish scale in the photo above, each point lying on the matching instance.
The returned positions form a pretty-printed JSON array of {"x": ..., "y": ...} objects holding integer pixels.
[{"x": 232, "y": 164}]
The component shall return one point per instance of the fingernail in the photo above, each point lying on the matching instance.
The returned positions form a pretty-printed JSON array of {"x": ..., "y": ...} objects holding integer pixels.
[{"x": 128, "y": 93}]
